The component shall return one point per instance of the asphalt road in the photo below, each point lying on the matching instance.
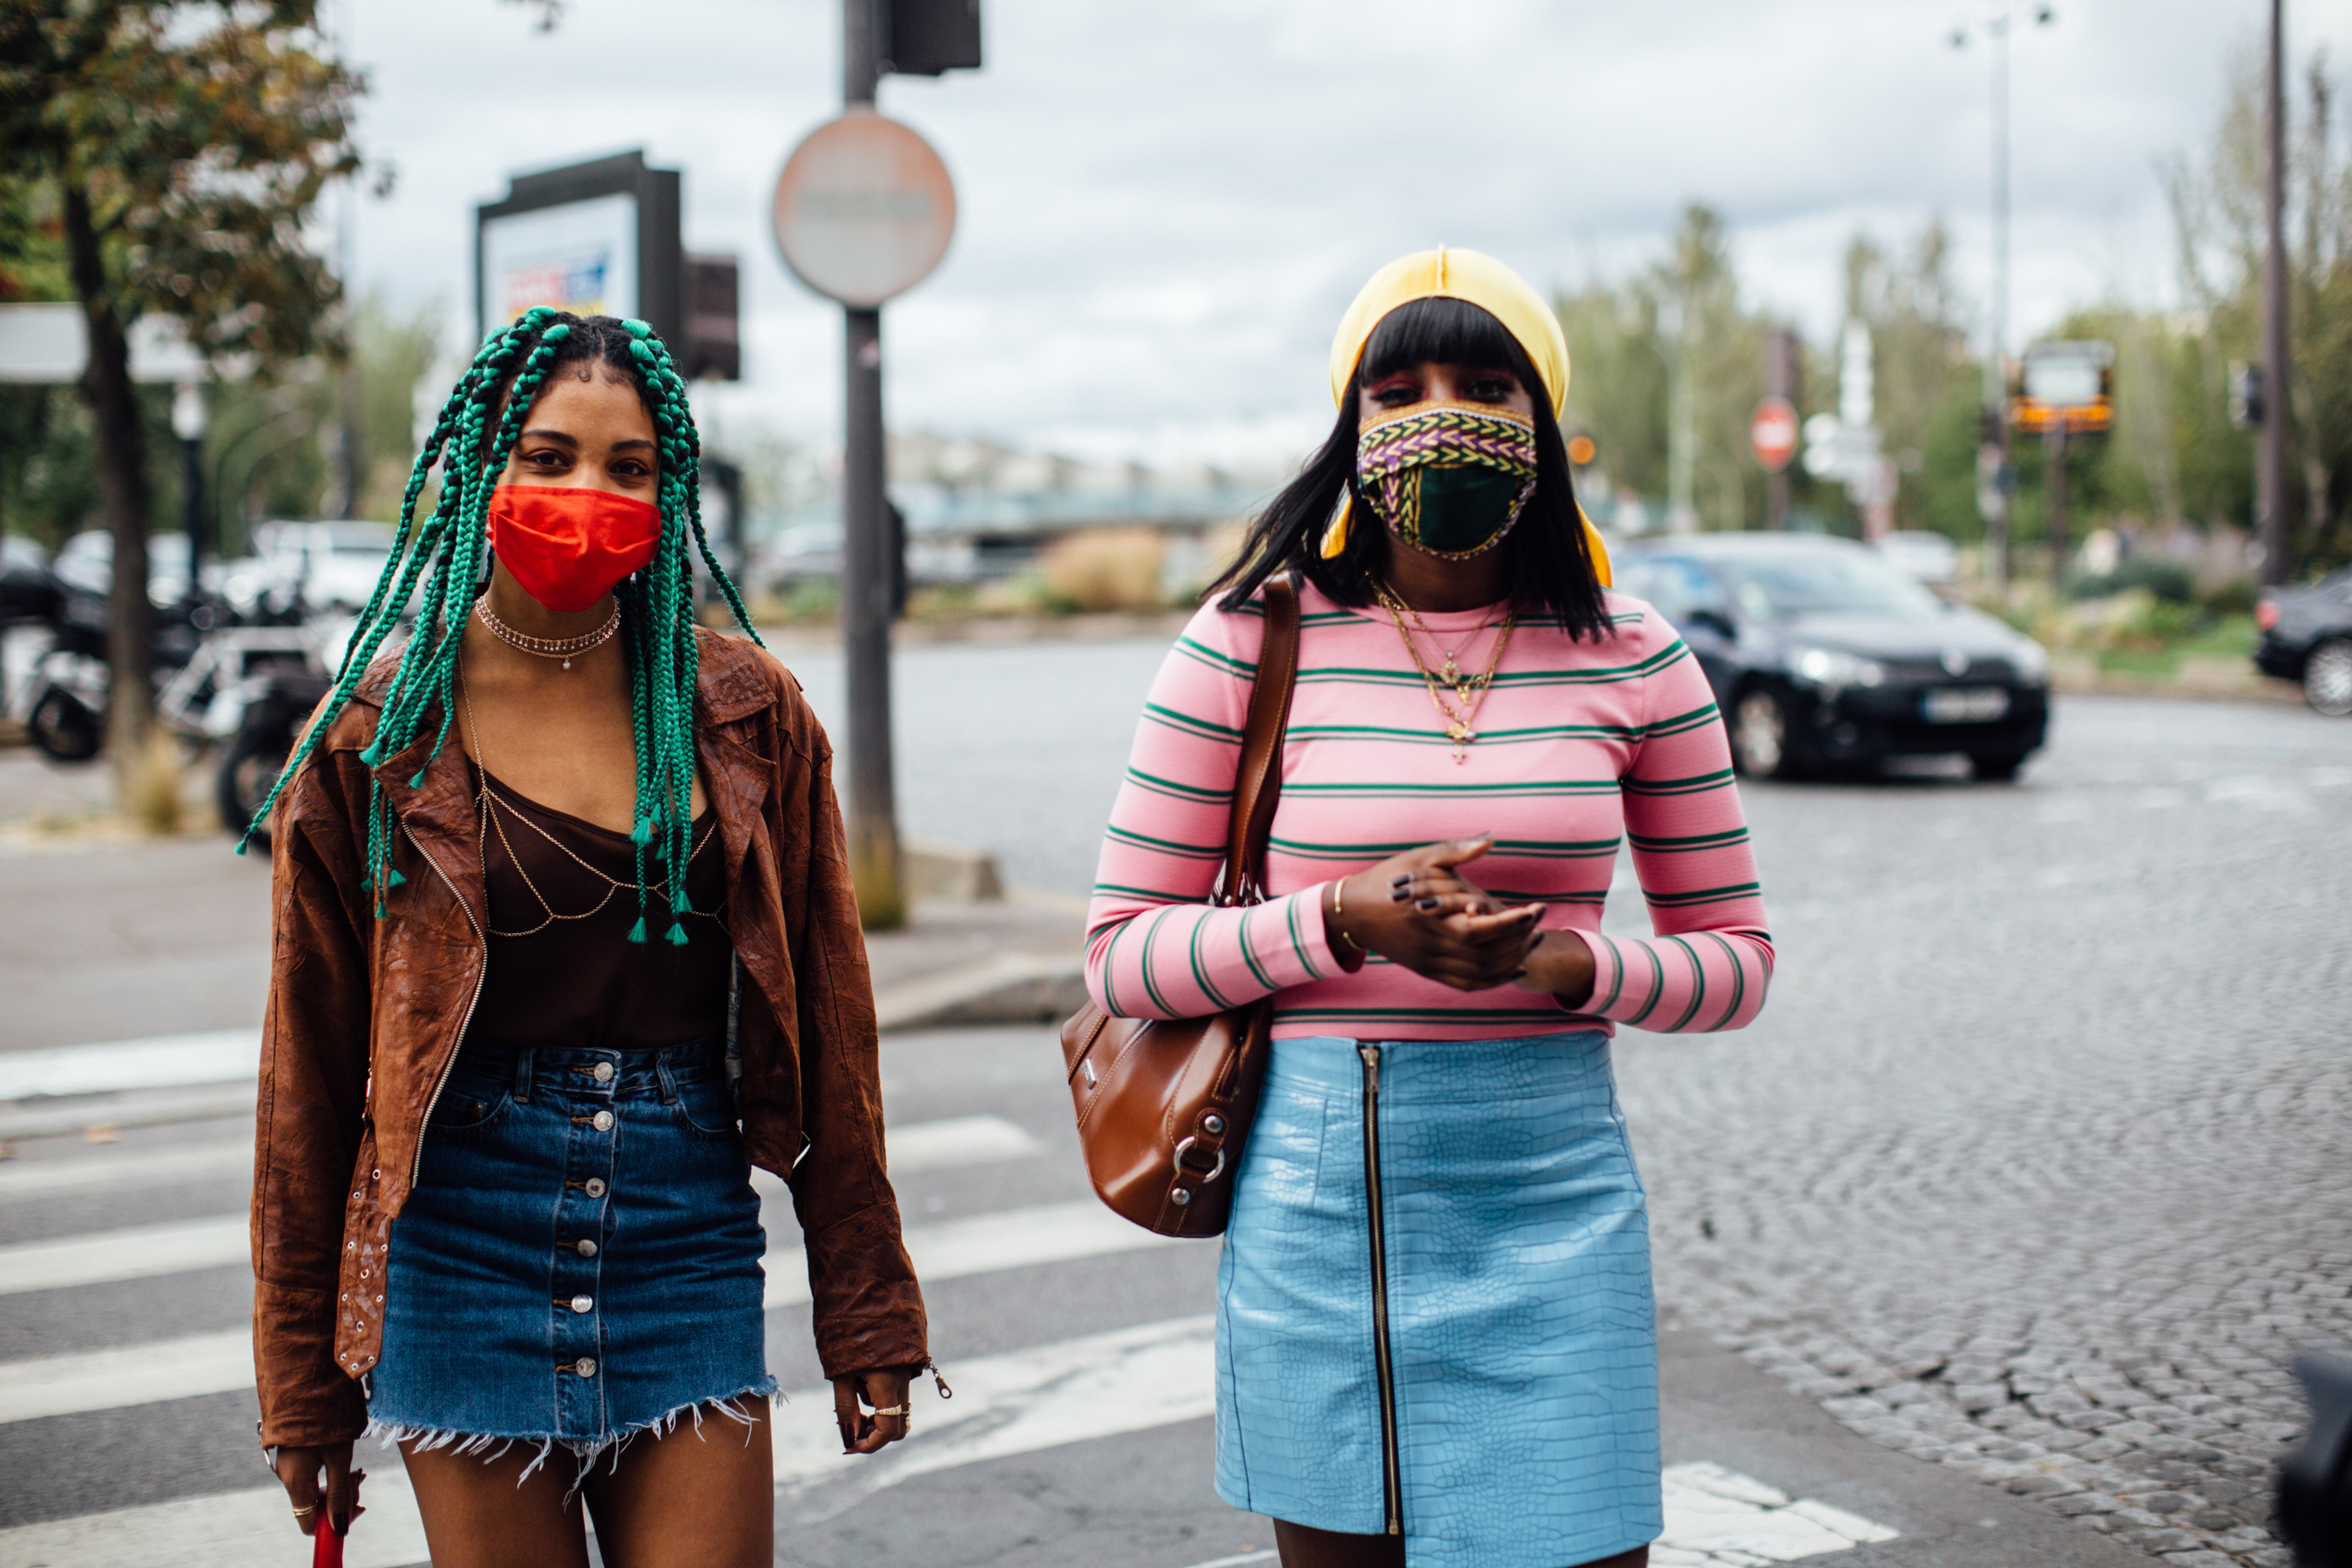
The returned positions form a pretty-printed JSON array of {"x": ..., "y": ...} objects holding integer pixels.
[{"x": 2013, "y": 1203}]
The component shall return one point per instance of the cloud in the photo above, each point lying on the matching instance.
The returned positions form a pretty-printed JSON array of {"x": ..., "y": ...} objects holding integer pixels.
[{"x": 1165, "y": 208}]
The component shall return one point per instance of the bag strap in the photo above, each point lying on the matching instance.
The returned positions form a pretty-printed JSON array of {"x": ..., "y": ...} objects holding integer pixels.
[{"x": 1258, "y": 783}]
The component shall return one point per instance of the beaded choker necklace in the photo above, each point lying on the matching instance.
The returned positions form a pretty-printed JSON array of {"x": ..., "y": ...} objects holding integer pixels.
[{"x": 547, "y": 648}]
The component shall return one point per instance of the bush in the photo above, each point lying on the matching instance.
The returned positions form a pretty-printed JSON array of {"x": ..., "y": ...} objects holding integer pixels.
[
  {"x": 2171, "y": 581},
  {"x": 2235, "y": 598},
  {"x": 1105, "y": 569}
]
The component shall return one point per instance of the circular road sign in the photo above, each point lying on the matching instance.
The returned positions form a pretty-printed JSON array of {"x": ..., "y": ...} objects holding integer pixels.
[
  {"x": 864, "y": 209},
  {"x": 1772, "y": 433}
]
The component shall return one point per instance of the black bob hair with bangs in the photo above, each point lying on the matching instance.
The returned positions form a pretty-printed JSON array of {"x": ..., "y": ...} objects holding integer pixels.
[{"x": 1547, "y": 559}]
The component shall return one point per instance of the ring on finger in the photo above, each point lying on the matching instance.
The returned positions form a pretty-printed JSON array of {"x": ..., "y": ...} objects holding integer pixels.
[{"x": 306, "y": 1512}]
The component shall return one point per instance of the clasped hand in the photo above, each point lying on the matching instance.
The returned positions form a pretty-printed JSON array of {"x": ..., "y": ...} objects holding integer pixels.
[{"x": 1419, "y": 910}]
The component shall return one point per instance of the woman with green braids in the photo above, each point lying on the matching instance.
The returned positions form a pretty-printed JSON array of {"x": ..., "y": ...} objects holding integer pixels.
[{"x": 564, "y": 944}]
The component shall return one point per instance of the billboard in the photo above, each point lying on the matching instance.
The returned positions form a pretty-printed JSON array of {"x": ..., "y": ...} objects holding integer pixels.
[
  {"x": 581, "y": 257},
  {"x": 597, "y": 238},
  {"x": 601, "y": 238}
]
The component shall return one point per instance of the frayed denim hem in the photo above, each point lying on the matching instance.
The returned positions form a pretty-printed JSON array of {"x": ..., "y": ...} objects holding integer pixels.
[{"x": 584, "y": 1452}]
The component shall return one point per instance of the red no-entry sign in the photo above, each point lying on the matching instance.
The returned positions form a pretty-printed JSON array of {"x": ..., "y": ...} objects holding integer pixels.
[{"x": 1772, "y": 433}]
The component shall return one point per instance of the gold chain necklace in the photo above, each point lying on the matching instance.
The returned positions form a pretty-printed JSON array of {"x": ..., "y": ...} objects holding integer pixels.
[{"x": 1468, "y": 690}]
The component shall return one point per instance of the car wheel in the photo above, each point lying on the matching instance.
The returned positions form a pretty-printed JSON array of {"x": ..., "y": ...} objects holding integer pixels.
[
  {"x": 2327, "y": 677},
  {"x": 63, "y": 728},
  {"x": 1760, "y": 735},
  {"x": 2000, "y": 767}
]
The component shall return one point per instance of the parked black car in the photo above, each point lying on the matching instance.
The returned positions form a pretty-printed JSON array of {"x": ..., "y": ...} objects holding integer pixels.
[
  {"x": 1824, "y": 657},
  {"x": 2306, "y": 635}
]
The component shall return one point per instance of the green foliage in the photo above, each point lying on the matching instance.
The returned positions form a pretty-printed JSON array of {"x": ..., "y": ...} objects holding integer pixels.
[
  {"x": 2167, "y": 581},
  {"x": 1678, "y": 329},
  {"x": 201, "y": 136}
]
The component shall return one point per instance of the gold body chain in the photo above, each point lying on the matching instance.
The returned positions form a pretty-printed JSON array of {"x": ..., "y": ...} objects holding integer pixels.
[{"x": 491, "y": 822}]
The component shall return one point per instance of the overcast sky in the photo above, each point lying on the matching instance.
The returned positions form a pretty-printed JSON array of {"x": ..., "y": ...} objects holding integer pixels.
[{"x": 1165, "y": 207}]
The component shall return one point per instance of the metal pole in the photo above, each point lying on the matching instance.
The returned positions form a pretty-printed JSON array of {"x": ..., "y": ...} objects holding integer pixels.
[
  {"x": 2270, "y": 485},
  {"x": 1996, "y": 369},
  {"x": 2054, "y": 446},
  {"x": 865, "y": 609},
  {"x": 1779, "y": 381}
]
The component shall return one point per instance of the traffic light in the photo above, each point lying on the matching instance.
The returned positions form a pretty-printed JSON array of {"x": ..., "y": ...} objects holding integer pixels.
[{"x": 925, "y": 37}]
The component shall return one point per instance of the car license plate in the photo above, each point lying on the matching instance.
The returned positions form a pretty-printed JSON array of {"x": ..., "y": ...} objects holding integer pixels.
[{"x": 1964, "y": 704}]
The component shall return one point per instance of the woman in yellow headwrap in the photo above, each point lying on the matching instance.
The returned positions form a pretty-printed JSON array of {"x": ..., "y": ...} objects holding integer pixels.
[{"x": 1436, "y": 1342}]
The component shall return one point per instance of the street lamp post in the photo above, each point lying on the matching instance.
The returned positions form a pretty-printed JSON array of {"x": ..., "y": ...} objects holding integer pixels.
[
  {"x": 1992, "y": 460},
  {"x": 189, "y": 418},
  {"x": 2270, "y": 474}
]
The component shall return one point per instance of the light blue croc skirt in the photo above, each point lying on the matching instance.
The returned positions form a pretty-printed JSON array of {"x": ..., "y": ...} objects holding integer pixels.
[{"x": 1509, "y": 1417}]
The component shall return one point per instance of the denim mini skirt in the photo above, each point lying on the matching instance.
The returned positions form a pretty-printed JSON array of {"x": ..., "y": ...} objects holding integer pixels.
[
  {"x": 581, "y": 1257},
  {"x": 1508, "y": 1416}
]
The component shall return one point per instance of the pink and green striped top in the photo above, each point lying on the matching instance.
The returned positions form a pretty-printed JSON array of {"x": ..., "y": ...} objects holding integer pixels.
[{"x": 1579, "y": 744}]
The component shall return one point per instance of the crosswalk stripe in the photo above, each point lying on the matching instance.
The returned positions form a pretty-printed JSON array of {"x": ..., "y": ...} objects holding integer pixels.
[
  {"x": 126, "y": 1374},
  {"x": 142, "y": 1252},
  {"x": 215, "y": 1363},
  {"x": 136, "y": 1252},
  {"x": 215, "y": 1055},
  {"x": 1126, "y": 1380},
  {"x": 130, "y": 1167},
  {"x": 914, "y": 1146},
  {"x": 989, "y": 1243}
]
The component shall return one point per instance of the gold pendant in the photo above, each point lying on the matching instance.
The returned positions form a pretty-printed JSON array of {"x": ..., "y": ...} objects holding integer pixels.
[
  {"x": 1461, "y": 734},
  {"x": 1452, "y": 673}
]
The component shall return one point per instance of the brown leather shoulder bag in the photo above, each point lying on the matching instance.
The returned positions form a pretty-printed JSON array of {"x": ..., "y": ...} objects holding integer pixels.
[{"x": 1164, "y": 1105}]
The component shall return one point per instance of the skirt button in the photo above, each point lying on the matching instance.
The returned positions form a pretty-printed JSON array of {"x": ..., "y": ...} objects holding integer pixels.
[
  {"x": 602, "y": 1072},
  {"x": 593, "y": 1186},
  {"x": 603, "y": 1122},
  {"x": 585, "y": 1248},
  {"x": 583, "y": 1304},
  {"x": 585, "y": 1367}
]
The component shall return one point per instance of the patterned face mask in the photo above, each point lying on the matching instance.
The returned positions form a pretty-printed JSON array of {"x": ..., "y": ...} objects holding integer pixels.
[{"x": 1448, "y": 478}]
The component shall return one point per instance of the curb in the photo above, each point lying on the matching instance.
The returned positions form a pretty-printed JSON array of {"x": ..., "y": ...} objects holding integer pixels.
[{"x": 1011, "y": 988}]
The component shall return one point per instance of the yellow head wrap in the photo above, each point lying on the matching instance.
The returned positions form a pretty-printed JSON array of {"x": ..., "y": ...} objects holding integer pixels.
[{"x": 1479, "y": 280}]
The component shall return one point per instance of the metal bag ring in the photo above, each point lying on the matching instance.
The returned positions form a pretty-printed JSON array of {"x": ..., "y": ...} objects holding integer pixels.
[{"x": 1183, "y": 1170}]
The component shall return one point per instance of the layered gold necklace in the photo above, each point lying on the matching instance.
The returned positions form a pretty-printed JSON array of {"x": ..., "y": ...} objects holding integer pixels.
[{"x": 1455, "y": 696}]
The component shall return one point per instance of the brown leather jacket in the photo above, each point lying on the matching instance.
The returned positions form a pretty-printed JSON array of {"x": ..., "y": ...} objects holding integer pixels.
[{"x": 366, "y": 1016}]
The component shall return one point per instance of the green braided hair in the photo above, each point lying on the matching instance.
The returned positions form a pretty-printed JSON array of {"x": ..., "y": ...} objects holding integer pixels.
[{"x": 472, "y": 440}]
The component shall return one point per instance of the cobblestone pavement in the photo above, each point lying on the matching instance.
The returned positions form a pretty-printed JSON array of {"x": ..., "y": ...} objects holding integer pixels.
[{"x": 2040, "y": 1163}]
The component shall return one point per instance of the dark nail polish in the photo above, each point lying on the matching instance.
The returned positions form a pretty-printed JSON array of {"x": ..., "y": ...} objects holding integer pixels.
[
  {"x": 1424, "y": 903},
  {"x": 1399, "y": 895},
  {"x": 1405, "y": 880}
]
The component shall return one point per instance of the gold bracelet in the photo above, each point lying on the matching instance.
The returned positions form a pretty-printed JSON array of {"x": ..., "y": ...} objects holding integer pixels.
[{"x": 1336, "y": 917}]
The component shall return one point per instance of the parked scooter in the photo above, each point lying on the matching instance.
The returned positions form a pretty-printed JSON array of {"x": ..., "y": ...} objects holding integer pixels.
[
  {"x": 275, "y": 711},
  {"x": 208, "y": 660}
]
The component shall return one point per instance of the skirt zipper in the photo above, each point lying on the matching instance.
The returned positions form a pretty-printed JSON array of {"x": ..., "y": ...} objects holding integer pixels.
[{"x": 1391, "y": 1479}]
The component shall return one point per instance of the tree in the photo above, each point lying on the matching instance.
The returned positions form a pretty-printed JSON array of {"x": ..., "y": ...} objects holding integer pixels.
[
  {"x": 2217, "y": 205},
  {"x": 1667, "y": 366},
  {"x": 1924, "y": 379},
  {"x": 183, "y": 147}
]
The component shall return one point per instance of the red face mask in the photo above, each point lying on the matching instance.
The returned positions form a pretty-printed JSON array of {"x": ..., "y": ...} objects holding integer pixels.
[{"x": 567, "y": 547}]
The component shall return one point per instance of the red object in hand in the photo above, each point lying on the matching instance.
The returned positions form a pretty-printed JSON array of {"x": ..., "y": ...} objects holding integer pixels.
[{"x": 325, "y": 1543}]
